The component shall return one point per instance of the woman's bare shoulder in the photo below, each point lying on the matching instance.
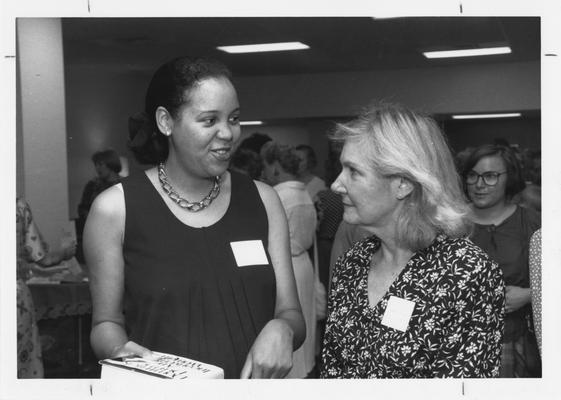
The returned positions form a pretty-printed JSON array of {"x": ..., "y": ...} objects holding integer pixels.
[
  {"x": 110, "y": 202},
  {"x": 268, "y": 195}
]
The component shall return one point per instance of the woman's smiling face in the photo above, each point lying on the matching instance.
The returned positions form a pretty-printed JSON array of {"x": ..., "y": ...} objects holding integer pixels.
[
  {"x": 206, "y": 130},
  {"x": 483, "y": 195}
]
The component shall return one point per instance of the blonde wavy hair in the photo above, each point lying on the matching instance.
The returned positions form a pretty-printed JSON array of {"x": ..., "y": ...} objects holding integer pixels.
[{"x": 404, "y": 143}]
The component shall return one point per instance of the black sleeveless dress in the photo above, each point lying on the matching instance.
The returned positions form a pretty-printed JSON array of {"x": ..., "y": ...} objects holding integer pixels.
[{"x": 184, "y": 293}]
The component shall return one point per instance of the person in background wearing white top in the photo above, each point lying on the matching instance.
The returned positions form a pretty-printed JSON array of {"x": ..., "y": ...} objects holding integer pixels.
[
  {"x": 281, "y": 165},
  {"x": 313, "y": 183}
]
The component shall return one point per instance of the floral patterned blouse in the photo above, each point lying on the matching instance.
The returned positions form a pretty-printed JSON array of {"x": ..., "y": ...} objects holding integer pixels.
[
  {"x": 455, "y": 329},
  {"x": 536, "y": 283},
  {"x": 30, "y": 244}
]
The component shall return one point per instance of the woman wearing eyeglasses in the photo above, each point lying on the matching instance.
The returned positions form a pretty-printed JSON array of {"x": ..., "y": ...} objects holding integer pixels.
[{"x": 492, "y": 176}]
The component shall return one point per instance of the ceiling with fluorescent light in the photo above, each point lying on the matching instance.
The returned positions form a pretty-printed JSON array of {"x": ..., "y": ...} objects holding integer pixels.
[{"x": 336, "y": 44}]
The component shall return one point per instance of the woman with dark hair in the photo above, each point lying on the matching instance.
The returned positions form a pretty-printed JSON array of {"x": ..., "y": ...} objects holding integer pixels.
[
  {"x": 281, "y": 170},
  {"x": 187, "y": 257},
  {"x": 415, "y": 299},
  {"x": 492, "y": 177},
  {"x": 255, "y": 142},
  {"x": 107, "y": 167},
  {"x": 247, "y": 162}
]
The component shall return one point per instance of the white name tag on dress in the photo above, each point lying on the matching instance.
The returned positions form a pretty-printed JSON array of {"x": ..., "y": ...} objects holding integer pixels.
[
  {"x": 249, "y": 252},
  {"x": 398, "y": 313}
]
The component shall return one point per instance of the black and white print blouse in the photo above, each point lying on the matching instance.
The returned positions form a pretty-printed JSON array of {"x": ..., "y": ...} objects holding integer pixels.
[{"x": 455, "y": 329}]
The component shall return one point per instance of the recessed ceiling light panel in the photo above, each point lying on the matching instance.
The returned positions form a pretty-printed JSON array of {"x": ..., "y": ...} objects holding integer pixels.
[
  {"x": 257, "y": 48},
  {"x": 477, "y": 116},
  {"x": 467, "y": 52}
]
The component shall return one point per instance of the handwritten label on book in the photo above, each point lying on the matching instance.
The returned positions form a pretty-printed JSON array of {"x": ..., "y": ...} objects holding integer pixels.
[{"x": 166, "y": 366}]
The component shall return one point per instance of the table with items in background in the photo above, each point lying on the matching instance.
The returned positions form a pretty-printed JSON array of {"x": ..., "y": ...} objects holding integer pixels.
[{"x": 63, "y": 313}]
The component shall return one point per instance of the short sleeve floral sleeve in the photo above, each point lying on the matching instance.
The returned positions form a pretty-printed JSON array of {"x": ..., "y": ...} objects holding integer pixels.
[
  {"x": 31, "y": 246},
  {"x": 455, "y": 329}
]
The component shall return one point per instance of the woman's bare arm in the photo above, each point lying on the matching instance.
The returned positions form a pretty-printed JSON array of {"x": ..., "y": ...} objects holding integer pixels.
[{"x": 271, "y": 353}]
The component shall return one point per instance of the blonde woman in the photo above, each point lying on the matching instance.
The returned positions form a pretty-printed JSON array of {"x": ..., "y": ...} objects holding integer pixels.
[{"x": 416, "y": 299}]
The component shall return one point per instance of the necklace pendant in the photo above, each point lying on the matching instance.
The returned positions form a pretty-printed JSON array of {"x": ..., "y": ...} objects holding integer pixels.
[{"x": 184, "y": 203}]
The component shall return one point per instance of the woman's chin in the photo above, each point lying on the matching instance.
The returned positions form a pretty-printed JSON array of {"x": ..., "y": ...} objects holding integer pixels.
[
  {"x": 479, "y": 204},
  {"x": 217, "y": 170},
  {"x": 351, "y": 219}
]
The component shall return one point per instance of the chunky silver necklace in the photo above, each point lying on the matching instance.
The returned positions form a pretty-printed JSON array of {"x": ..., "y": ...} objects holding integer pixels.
[{"x": 184, "y": 203}]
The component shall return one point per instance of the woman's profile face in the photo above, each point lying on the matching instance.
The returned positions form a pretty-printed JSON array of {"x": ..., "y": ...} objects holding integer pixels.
[
  {"x": 206, "y": 130},
  {"x": 368, "y": 198},
  {"x": 482, "y": 194}
]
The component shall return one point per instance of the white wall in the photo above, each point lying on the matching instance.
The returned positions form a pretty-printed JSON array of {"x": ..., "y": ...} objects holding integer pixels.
[
  {"x": 99, "y": 104},
  {"x": 43, "y": 173}
]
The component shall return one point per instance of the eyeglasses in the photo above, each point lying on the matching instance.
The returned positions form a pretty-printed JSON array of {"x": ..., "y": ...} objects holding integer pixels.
[{"x": 489, "y": 178}]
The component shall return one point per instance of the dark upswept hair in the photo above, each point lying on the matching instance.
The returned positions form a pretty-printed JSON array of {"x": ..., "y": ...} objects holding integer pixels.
[
  {"x": 514, "y": 180},
  {"x": 286, "y": 156},
  {"x": 248, "y": 161},
  {"x": 108, "y": 157},
  {"x": 169, "y": 88},
  {"x": 403, "y": 143},
  {"x": 255, "y": 142}
]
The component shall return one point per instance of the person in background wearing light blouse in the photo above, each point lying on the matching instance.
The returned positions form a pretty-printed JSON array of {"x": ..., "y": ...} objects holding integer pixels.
[
  {"x": 314, "y": 184},
  {"x": 415, "y": 299},
  {"x": 281, "y": 164}
]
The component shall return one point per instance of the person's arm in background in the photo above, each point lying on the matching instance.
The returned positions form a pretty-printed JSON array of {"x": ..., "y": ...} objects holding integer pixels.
[
  {"x": 270, "y": 355},
  {"x": 86, "y": 200},
  {"x": 516, "y": 296},
  {"x": 55, "y": 257},
  {"x": 536, "y": 283},
  {"x": 103, "y": 241},
  {"x": 36, "y": 249}
]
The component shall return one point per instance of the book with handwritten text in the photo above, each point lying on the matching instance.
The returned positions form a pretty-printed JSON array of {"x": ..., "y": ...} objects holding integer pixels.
[{"x": 164, "y": 366}]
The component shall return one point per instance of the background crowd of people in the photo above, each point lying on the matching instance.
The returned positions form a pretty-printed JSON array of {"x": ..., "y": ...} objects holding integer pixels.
[{"x": 426, "y": 255}]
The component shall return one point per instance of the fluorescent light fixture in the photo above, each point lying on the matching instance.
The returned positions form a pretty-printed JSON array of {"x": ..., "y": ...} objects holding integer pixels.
[
  {"x": 251, "y": 122},
  {"x": 467, "y": 53},
  {"x": 477, "y": 116},
  {"x": 257, "y": 48}
]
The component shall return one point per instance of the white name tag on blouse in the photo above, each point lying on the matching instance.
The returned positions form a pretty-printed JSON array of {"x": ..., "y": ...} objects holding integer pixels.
[
  {"x": 398, "y": 313},
  {"x": 249, "y": 252}
]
